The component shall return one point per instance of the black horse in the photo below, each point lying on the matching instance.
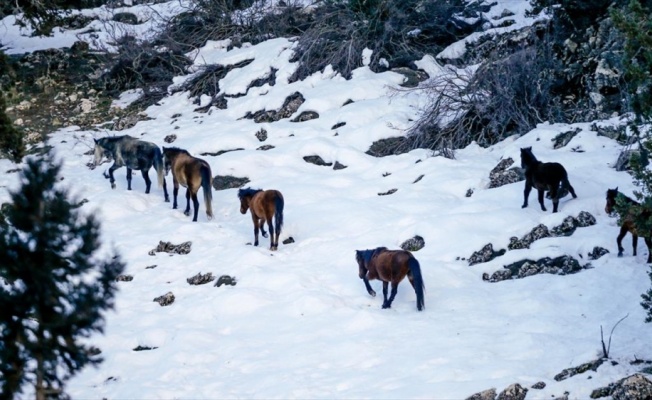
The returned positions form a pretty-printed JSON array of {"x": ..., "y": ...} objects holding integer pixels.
[
  {"x": 628, "y": 222},
  {"x": 127, "y": 151},
  {"x": 390, "y": 266},
  {"x": 544, "y": 177}
]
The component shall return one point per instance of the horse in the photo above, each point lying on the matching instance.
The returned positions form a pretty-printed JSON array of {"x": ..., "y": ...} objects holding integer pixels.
[
  {"x": 191, "y": 173},
  {"x": 127, "y": 151},
  {"x": 264, "y": 204},
  {"x": 544, "y": 177},
  {"x": 627, "y": 222},
  {"x": 390, "y": 266}
]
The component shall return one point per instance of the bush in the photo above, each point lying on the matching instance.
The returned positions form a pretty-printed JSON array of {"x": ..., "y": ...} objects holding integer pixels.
[
  {"x": 397, "y": 31},
  {"x": 11, "y": 139},
  {"x": 504, "y": 96}
]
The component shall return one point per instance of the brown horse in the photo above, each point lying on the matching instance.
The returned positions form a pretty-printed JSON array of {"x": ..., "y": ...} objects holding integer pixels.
[
  {"x": 390, "y": 266},
  {"x": 627, "y": 222},
  {"x": 191, "y": 173},
  {"x": 264, "y": 204}
]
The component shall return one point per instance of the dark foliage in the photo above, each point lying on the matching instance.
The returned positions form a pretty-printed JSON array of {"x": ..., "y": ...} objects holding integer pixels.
[
  {"x": 44, "y": 15},
  {"x": 397, "y": 31},
  {"x": 54, "y": 289},
  {"x": 11, "y": 139}
]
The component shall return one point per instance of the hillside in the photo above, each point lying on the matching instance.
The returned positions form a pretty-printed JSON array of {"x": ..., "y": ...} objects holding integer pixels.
[{"x": 298, "y": 322}]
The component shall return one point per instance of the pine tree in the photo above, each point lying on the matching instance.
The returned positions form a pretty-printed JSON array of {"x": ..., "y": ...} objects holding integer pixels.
[
  {"x": 54, "y": 288},
  {"x": 11, "y": 139},
  {"x": 635, "y": 23}
]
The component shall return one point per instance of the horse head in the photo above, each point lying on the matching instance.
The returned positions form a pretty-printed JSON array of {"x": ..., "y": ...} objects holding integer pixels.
[
  {"x": 611, "y": 200},
  {"x": 362, "y": 263},
  {"x": 527, "y": 157},
  {"x": 245, "y": 198},
  {"x": 99, "y": 151}
]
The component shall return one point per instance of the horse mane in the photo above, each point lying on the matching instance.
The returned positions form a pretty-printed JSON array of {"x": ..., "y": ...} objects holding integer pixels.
[
  {"x": 615, "y": 194},
  {"x": 178, "y": 150},
  {"x": 247, "y": 192},
  {"x": 528, "y": 152}
]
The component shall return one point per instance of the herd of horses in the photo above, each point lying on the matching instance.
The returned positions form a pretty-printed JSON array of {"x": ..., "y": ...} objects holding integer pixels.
[{"x": 266, "y": 206}]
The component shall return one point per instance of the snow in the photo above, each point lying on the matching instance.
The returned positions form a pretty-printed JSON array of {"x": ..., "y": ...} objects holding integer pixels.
[{"x": 299, "y": 323}]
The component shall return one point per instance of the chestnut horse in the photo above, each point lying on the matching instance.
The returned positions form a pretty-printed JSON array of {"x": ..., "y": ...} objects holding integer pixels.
[
  {"x": 543, "y": 177},
  {"x": 191, "y": 173},
  {"x": 627, "y": 222},
  {"x": 264, "y": 204},
  {"x": 390, "y": 266}
]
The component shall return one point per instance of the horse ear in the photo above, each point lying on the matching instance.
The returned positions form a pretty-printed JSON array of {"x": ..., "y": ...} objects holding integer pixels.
[{"x": 95, "y": 140}]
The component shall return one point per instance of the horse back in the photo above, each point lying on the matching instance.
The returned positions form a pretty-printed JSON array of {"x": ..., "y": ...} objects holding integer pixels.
[
  {"x": 545, "y": 175},
  {"x": 264, "y": 203},
  {"x": 391, "y": 265}
]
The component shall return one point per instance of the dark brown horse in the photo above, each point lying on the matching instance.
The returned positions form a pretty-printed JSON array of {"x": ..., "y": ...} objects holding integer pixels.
[
  {"x": 191, "y": 173},
  {"x": 390, "y": 266},
  {"x": 264, "y": 204},
  {"x": 543, "y": 177},
  {"x": 627, "y": 222}
]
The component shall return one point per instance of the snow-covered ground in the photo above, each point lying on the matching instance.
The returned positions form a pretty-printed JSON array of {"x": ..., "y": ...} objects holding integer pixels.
[{"x": 299, "y": 322}]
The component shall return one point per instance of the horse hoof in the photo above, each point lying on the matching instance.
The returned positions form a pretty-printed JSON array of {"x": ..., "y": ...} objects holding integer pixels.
[
  {"x": 167, "y": 200},
  {"x": 386, "y": 306},
  {"x": 372, "y": 293},
  {"x": 113, "y": 186},
  {"x": 264, "y": 234},
  {"x": 186, "y": 213},
  {"x": 524, "y": 205}
]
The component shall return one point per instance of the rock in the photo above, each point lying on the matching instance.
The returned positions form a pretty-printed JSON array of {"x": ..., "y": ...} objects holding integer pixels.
[
  {"x": 339, "y": 166},
  {"x": 489, "y": 394},
  {"x": 290, "y": 106},
  {"x": 597, "y": 252},
  {"x": 539, "y": 385},
  {"x": 167, "y": 247},
  {"x": 485, "y": 254},
  {"x": 226, "y": 280},
  {"x": 124, "y": 278},
  {"x": 538, "y": 232},
  {"x": 414, "y": 244},
  {"x": 200, "y": 279},
  {"x": 261, "y": 135},
  {"x": 317, "y": 161},
  {"x": 170, "y": 138},
  {"x": 412, "y": 77},
  {"x": 390, "y": 191},
  {"x": 564, "y": 138},
  {"x": 635, "y": 387},
  {"x": 513, "y": 392},
  {"x": 288, "y": 240},
  {"x": 589, "y": 366},
  {"x": 500, "y": 175},
  {"x": 306, "y": 116},
  {"x": 265, "y": 147},
  {"x": 165, "y": 300},
  {"x": 222, "y": 182}
]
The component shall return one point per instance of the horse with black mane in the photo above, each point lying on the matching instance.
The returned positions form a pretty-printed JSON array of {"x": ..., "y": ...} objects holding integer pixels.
[
  {"x": 390, "y": 266},
  {"x": 628, "y": 222},
  {"x": 127, "y": 151},
  {"x": 264, "y": 205},
  {"x": 549, "y": 176},
  {"x": 191, "y": 173}
]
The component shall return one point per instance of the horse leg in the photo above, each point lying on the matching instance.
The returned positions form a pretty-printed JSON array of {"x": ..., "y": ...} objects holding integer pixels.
[
  {"x": 541, "y": 193},
  {"x": 272, "y": 244},
  {"x": 255, "y": 219},
  {"x": 392, "y": 294},
  {"x": 385, "y": 303},
  {"x": 554, "y": 195},
  {"x": 634, "y": 243},
  {"x": 195, "y": 204},
  {"x": 648, "y": 242},
  {"x": 128, "y": 178},
  {"x": 619, "y": 240},
  {"x": 175, "y": 192},
  {"x": 526, "y": 192},
  {"x": 187, "y": 211},
  {"x": 368, "y": 286},
  {"x": 148, "y": 182},
  {"x": 165, "y": 191},
  {"x": 111, "y": 178}
]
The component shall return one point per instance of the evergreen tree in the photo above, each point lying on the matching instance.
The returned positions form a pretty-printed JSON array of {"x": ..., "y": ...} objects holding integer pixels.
[
  {"x": 54, "y": 288},
  {"x": 635, "y": 22}
]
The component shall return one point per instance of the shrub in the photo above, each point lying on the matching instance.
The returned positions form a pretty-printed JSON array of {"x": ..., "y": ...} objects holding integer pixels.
[{"x": 11, "y": 139}]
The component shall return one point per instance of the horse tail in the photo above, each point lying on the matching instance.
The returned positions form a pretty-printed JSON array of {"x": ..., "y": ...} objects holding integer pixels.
[
  {"x": 159, "y": 167},
  {"x": 206, "y": 185},
  {"x": 419, "y": 287},
  {"x": 278, "y": 214}
]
